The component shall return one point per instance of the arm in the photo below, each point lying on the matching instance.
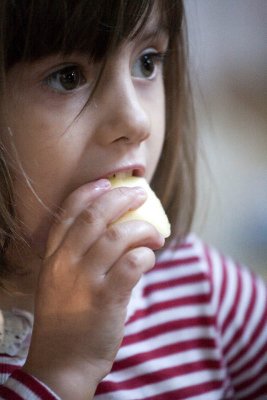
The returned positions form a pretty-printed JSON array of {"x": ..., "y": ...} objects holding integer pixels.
[
  {"x": 18, "y": 385},
  {"x": 85, "y": 283},
  {"x": 240, "y": 304}
]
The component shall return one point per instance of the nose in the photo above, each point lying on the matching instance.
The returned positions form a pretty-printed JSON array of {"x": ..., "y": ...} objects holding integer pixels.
[{"x": 122, "y": 115}]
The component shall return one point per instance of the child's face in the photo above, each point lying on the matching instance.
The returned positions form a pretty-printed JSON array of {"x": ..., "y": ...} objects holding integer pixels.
[{"x": 122, "y": 128}]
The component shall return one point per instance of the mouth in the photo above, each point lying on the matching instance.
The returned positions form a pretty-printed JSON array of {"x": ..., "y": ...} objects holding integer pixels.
[
  {"x": 124, "y": 174},
  {"x": 121, "y": 175}
]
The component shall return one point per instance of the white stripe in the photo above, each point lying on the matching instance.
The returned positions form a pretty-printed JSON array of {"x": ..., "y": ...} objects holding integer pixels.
[
  {"x": 231, "y": 286},
  {"x": 3, "y": 378},
  {"x": 176, "y": 272},
  {"x": 217, "y": 274},
  {"x": 170, "y": 252},
  {"x": 164, "y": 340},
  {"x": 18, "y": 362},
  {"x": 172, "y": 361},
  {"x": 215, "y": 394},
  {"x": 167, "y": 315},
  {"x": 243, "y": 305},
  {"x": 162, "y": 387},
  {"x": 179, "y": 292},
  {"x": 21, "y": 389}
]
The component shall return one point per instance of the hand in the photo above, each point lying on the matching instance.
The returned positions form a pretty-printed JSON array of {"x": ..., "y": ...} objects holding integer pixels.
[{"x": 88, "y": 273}]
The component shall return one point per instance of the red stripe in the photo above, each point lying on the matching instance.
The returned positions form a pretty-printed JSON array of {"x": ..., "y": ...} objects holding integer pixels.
[
  {"x": 8, "y": 394},
  {"x": 163, "y": 351},
  {"x": 259, "y": 329},
  {"x": 168, "y": 304},
  {"x": 250, "y": 381},
  {"x": 159, "y": 376},
  {"x": 240, "y": 332},
  {"x": 259, "y": 392},
  {"x": 175, "y": 282},
  {"x": 32, "y": 384},
  {"x": 182, "y": 394},
  {"x": 170, "y": 326},
  {"x": 181, "y": 245},
  {"x": 233, "y": 311},
  {"x": 175, "y": 263},
  {"x": 251, "y": 362},
  {"x": 8, "y": 368}
]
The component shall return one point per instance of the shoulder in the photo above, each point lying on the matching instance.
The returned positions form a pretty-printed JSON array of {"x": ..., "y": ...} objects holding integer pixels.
[
  {"x": 234, "y": 292},
  {"x": 191, "y": 260},
  {"x": 195, "y": 256},
  {"x": 189, "y": 251},
  {"x": 181, "y": 279}
]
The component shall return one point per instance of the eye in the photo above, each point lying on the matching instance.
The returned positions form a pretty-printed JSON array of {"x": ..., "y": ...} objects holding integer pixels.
[
  {"x": 66, "y": 79},
  {"x": 147, "y": 65}
]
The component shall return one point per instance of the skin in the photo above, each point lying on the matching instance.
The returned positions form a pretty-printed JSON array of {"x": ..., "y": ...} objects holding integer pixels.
[{"x": 82, "y": 284}]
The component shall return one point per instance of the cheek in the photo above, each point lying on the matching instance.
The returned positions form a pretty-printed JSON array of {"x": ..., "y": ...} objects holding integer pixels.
[
  {"x": 45, "y": 159},
  {"x": 41, "y": 143},
  {"x": 156, "y": 140}
]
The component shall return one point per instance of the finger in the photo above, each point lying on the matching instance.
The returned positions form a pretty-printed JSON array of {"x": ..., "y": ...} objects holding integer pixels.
[
  {"x": 73, "y": 205},
  {"x": 127, "y": 272},
  {"x": 93, "y": 222},
  {"x": 117, "y": 240}
]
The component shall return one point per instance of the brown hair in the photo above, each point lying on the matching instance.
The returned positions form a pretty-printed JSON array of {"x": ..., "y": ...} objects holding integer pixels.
[{"x": 31, "y": 29}]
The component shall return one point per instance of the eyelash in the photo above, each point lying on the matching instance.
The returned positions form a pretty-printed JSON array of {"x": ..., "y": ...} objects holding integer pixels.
[
  {"x": 47, "y": 82},
  {"x": 157, "y": 59}
]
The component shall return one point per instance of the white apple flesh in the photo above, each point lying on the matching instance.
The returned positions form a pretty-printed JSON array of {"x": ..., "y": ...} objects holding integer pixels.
[{"x": 151, "y": 210}]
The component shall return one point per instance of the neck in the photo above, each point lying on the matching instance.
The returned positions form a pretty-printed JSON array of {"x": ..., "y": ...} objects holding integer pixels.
[
  {"x": 9, "y": 301},
  {"x": 18, "y": 290}
]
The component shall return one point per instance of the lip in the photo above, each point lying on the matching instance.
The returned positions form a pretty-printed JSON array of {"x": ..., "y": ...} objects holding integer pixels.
[{"x": 137, "y": 170}]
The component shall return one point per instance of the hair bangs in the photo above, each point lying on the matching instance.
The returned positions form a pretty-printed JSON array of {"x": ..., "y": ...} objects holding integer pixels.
[{"x": 86, "y": 26}]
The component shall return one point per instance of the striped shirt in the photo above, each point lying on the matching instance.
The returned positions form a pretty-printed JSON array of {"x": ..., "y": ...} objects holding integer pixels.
[{"x": 196, "y": 329}]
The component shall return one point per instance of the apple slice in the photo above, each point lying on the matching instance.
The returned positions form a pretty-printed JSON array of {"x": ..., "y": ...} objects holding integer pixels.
[{"x": 151, "y": 210}]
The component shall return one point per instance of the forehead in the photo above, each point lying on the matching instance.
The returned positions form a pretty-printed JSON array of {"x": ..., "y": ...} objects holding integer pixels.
[{"x": 36, "y": 29}]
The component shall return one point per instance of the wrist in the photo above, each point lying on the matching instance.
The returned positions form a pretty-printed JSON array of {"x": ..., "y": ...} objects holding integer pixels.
[{"x": 67, "y": 383}]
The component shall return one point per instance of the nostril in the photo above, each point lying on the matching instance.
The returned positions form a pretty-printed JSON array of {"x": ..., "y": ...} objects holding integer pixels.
[{"x": 122, "y": 138}]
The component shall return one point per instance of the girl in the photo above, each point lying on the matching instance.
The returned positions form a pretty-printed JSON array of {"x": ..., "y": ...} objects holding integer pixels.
[{"x": 89, "y": 89}]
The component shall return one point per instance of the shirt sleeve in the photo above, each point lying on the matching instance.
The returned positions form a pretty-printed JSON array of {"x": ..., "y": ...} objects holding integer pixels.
[
  {"x": 240, "y": 307},
  {"x": 21, "y": 386}
]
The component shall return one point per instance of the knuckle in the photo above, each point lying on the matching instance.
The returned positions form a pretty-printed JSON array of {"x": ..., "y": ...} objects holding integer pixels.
[
  {"x": 90, "y": 215},
  {"x": 140, "y": 260},
  {"x": 113, "y": 234},
  {"x": 124, "y": 192},
  {"x": 60, "y": 215},
  {"x": 133, "y": 260}
]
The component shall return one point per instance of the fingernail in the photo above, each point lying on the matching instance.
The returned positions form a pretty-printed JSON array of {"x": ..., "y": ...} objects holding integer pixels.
[
  {"x": 102, "y": 184},
  {"x": 161, "y": 239},
  {"x": 140, "y": 191}
]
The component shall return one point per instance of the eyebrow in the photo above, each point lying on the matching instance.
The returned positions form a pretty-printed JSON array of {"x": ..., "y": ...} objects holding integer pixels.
[{"x": 152, "y": 31}]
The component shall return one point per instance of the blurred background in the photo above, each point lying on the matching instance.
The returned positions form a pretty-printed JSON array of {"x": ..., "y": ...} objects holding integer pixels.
[{"x": 228, "y": 61}]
